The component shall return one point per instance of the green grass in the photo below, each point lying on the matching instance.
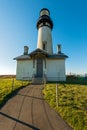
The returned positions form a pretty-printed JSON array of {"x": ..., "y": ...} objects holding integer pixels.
[
  {"x": 72, "y": 103},
  {"x": 9, "y": 86}
]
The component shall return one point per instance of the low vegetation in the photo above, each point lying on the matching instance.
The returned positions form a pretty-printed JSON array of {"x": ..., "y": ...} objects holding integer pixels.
[
  {"x": 9, "y": 85},
  {"x": 72, "y": 98},
  {"x": 72, "y": 102}
]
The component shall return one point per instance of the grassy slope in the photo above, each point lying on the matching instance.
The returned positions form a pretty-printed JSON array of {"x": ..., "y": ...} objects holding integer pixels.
[
  {"x": 7, "y": 86},
  {"x": 72, "y": 103}
]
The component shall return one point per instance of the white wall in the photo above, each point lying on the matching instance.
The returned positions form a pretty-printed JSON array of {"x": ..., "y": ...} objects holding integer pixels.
[
  {"x": 44, "y": 34},
  {"x": 24, "y": 69},
  {"x": 55, "y": 70}
]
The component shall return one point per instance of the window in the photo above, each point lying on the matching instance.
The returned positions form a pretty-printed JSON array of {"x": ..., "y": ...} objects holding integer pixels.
[
  {"x": 44, "y": 45},
  {"x": 33, "y": 63},
  {"x": 45, "y": 63}
]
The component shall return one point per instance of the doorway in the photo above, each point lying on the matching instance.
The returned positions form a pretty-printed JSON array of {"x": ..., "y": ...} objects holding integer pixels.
[{"x": 39, "y": 67}]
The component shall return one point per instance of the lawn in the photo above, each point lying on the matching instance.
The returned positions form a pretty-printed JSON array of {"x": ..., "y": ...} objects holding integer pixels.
[
  {"x": 72, "y": 98},
  {"x": 9, "y": 85},
  {"x": 72, "y": 102}
]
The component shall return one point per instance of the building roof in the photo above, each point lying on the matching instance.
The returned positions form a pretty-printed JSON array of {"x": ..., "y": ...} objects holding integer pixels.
[
  {"x": 58, "y": 56},
  {"x": 38, "y": 51},
  {"x": 41, "y": 52},
  {"x": 22, "y": 57}
]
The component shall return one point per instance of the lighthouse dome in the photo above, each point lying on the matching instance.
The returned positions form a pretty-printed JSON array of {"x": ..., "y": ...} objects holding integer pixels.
[
  {"x": 44, "y": 19},
  {"x": 44, "y": 11}
]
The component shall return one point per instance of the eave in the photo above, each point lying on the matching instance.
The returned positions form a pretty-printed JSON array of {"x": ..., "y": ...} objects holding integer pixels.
[
  {"x": 58, "y": 56},
  {"x": 23, "y": 57}
]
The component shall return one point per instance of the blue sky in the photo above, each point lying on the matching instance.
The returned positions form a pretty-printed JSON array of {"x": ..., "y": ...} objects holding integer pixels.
[{"x": 18, "y": 28}]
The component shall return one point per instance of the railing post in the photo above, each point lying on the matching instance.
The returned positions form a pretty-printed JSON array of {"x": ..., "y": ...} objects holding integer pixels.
[
  {"x": 57, "y": 95},
  {"x": 12, "y": 84},
  {"x": 44, "y": 80}
]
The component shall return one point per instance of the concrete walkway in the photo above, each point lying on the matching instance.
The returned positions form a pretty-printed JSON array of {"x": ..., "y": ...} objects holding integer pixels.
[{"x": 28, "y": 111}]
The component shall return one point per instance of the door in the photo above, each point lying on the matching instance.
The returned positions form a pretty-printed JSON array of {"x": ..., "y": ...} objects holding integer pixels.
[{"x": 39, "y": 67}]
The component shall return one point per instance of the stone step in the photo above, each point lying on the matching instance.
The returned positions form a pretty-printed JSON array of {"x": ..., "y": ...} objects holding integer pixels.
[{"x": 37, "y": 81}]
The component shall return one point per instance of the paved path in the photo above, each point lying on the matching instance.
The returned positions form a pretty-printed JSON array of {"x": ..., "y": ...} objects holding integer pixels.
[{"x": 28, "y": 111}]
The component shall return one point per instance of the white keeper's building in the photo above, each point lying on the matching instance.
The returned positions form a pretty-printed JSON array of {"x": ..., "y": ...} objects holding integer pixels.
[{"x": 42, "y": 62}]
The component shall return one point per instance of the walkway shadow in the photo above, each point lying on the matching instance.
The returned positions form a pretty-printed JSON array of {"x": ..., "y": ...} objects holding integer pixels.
[
  {"x": 30, "y": 96},
  {"x": 18, "y": 121},
  {"x": 12, "y": 94}
]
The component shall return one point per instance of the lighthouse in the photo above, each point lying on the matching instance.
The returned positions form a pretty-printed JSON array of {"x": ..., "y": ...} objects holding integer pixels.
[
  {"x": 42, "y": 64},
  {"x": 44, "y": 26}
]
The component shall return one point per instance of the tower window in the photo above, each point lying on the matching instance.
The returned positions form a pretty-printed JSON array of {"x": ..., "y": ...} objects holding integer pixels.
[{"x": 44, "y": 45}]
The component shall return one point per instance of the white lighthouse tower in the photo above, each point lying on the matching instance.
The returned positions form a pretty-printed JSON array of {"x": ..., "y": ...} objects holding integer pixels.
[{"x": 44, "y": 26}]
